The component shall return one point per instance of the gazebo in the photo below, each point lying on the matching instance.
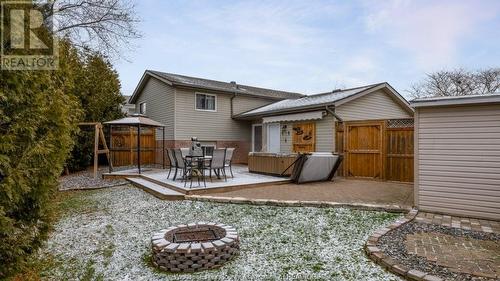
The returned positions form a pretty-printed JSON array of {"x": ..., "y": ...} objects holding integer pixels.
[{"x": 138, "y": 121}]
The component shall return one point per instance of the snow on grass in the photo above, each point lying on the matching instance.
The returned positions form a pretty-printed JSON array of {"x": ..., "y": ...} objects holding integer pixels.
[{"x": 105, "y": 234}]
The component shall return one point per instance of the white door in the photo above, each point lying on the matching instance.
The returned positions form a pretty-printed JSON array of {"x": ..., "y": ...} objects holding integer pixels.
[{"x": 273, "y": 137}]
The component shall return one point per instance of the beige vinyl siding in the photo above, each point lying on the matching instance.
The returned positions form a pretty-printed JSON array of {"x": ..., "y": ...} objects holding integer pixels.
[
  {"x": 324, "y": 135},
  {"x": 458, "y": 166},
  {"x": 207, "y": 125},
  {"x": 246, "y": 103},
  {"x": 159, "y": 99},
  {"x": 373, "y": 106},
  {"x": 325, "y": 131}
]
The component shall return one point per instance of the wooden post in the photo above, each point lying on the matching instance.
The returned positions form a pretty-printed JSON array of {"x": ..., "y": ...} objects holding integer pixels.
[
  {"x": 96, "y": 148},
  {"x": 139, "y": 148}
]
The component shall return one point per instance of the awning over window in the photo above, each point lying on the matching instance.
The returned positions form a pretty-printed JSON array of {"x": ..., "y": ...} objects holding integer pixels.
[{"x": 294, "y": 117}]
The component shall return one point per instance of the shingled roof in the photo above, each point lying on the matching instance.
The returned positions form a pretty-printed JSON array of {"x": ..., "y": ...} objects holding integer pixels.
[
  {"x": 230, "y": 87},
  {"x": 307, "y": 101}
]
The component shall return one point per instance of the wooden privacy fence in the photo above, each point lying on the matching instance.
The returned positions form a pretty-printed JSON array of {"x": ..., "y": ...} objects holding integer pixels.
[
  {"x": 124, "y": 146},
  {"x": 376, "y": 149}
]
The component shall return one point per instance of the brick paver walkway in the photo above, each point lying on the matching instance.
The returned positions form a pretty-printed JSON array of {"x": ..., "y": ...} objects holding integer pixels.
[
  {"x": 458, "y": 222},
  {"x": 461, "y": 254}
]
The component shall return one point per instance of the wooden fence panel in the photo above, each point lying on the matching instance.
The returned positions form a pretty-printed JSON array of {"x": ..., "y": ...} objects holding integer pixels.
[
  {"x": 399, "y": 158},
  {"x": 124, "y": 146},
  {"x": 397, "y": 138}
]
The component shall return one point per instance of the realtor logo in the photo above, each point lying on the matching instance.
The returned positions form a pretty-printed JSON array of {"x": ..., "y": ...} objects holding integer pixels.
[{"x": 27, "y": 41}]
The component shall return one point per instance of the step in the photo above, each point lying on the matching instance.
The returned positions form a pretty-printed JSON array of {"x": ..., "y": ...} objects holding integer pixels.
[{"x": 156, "y": 189}]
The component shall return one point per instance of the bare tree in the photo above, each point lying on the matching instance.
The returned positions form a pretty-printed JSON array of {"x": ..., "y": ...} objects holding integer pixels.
[
  {"x": 103, "y": 25},
  {"x": 458, "y": 82}
]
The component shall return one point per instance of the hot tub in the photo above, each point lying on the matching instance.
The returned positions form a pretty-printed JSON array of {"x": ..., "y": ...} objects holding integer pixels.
[{"x": 270, "y": 163}]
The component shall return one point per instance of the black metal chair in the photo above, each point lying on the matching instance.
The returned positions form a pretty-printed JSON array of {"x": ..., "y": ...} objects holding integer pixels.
[
  {"x": 181, "y": 163},
  {"x": 229, "y": 160},
  {"x": 196, "y": 168},
  {"x": 217, "y": 163},
  {"x": 173, "y": 163}
]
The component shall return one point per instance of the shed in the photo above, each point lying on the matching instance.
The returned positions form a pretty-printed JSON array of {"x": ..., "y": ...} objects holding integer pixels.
[{"x": 457, "y": 144}]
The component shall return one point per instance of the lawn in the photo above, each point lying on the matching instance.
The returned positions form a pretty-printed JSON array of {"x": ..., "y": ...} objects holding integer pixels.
[{"x": 105, "y": 235}]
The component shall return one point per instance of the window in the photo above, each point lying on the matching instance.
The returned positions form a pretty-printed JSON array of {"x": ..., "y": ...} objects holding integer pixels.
[
  {"x": 257, "y": 137},
  {"x": 206, "y": 102},
  {"x": 142, "y": 108},
  {"x": 208, "y": 150}
]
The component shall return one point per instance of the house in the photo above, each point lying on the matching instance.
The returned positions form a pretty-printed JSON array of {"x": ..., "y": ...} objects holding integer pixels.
[
  {"x": 357, "y": 122},
  {"x": 202, "y": 108},
  {"x": 254, "y": 119},
  {"x": 457, "y": 141},
  {"x": 128, "y": 108}
]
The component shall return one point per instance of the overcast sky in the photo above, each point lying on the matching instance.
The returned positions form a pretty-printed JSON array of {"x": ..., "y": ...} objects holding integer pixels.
[{"x": 312, "y": 46}]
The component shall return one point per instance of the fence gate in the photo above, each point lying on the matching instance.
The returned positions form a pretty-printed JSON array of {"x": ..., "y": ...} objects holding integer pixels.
[
  {"x": 376, "y": 149},
  {"x": 124, "y": 146}
]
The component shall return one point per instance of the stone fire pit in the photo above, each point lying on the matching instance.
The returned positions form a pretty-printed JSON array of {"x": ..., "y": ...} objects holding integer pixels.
[{"x": 194, "y": 247}]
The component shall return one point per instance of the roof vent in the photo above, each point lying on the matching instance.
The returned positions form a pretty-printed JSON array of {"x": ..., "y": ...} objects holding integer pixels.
[
  {"x": 233, "y": 83},
  {"x": 336, "y": 90}
]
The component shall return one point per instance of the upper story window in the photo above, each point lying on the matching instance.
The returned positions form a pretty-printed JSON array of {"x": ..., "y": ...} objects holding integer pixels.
[
  {"x": 142, "y": 108},
  {"x": 206, "y": 102}
]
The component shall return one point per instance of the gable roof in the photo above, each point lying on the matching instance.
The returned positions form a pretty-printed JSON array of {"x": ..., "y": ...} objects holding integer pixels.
[
  {"x": 336, "y": 97},
  {"x": 207, "y": 84}
]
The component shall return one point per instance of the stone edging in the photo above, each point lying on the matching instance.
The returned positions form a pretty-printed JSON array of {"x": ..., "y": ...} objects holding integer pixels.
[
  {"x": 296, "y": 203},
  {"x": 376, "y": 254},
  {"x": 194, "y": 256}
]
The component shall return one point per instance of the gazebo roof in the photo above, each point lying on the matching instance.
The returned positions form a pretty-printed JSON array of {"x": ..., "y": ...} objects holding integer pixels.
[{"x": 135, "y": 120}]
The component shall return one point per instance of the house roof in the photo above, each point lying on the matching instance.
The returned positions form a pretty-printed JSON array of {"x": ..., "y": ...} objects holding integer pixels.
[
  {"x": 201, "y": 83},
  {"x": 456, "y": 100},
  {"x": 314, "y": 101}
]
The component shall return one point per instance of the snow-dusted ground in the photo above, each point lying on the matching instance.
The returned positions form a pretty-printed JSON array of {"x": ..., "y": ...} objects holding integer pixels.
[{"x": 106, "y": 235}]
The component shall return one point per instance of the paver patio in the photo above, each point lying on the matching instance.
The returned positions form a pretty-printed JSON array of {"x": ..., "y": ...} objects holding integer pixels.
[{"x": 340, "y": 190}]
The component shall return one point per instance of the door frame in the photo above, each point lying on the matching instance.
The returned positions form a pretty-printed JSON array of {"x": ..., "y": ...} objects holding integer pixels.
[
  {"x": 268, "y": 136},
  {"x": 253, "y": 136}
]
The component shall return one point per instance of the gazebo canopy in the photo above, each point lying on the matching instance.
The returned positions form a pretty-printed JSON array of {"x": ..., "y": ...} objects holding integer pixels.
[{"x": 135, "y": 120}]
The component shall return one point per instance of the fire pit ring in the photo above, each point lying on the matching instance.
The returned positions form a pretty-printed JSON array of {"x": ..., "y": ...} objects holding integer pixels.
[{"x": 194, "y": 247}]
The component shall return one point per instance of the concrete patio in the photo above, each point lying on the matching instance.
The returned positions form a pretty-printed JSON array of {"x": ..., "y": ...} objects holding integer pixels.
[
  {"x": 156, "y": 182},
  {"x": 345, "y": 191}
]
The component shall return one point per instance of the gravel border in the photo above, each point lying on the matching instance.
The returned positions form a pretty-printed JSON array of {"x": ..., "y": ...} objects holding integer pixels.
[
  {"x": 386, "y": 248},
  {"x": 84, "y": 180},
  {"x": 393, "y": 245}
]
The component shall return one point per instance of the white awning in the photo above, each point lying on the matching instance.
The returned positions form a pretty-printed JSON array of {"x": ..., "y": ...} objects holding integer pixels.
[{"x": 294, "y": 117}]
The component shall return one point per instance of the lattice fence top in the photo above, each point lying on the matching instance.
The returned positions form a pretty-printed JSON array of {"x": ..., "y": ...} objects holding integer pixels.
[{"x": 400, "y": 123}]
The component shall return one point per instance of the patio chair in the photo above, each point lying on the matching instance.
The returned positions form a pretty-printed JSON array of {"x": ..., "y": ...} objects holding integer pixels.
[
  {"x": 181, "y": 163},
  {"x": 184, "y": 151},
  {"x": 196, "y": 169},
  {"x": 229, "y": 160},
  {"x": 171, "y": 158},
  {"x": 217, "y": 163}
]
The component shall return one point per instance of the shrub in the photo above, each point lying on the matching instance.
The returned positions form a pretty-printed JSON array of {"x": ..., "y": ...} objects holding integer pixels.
[
  {"x": 38, "y": 115},
  {"x": 98, "y": 91}
]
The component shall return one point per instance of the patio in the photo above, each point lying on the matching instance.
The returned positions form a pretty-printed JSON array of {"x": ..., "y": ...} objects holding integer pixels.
[{"x": 156, "y": 181}]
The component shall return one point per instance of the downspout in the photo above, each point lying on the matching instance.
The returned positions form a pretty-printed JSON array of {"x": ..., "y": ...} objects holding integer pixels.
[
  {"x": 231, "y": 102},
  {"x": 332, "y": 112}
]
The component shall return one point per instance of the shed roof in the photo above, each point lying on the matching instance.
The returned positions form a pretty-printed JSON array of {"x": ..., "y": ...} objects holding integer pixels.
[
  {"x": 135, "y": 120},
  {"x": 456, "y": 100},
  {"x": 201, "y": 83}
]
